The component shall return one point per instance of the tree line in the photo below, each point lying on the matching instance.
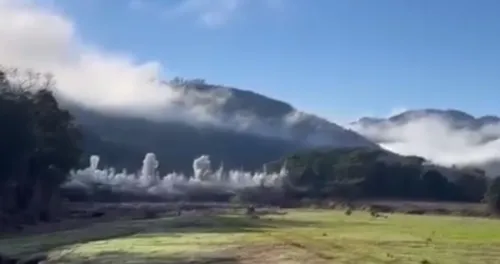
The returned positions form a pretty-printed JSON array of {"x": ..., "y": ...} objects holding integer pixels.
[
  {"x": 39, "y": 145},
  {"x": 358, "y": 173}
]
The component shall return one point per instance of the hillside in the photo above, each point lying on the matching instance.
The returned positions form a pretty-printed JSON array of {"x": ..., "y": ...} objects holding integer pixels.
[
  {"x": 122, "y": 142},
  {"x": 456, "y": 118},
  {"x": 276, "y": 129},
  {"x": 447, "y": 137},
  {"x": 377, "y": 174}
]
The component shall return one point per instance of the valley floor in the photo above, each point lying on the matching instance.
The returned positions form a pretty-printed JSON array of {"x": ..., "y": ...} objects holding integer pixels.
[{"x": 299, "y": 236}]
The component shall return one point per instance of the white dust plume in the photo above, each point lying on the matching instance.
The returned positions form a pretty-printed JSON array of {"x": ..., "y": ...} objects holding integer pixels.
[{"x": 149, "y": 183}]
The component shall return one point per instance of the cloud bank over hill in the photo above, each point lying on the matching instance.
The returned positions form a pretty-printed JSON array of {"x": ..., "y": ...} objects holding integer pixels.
[
  {"x": 43, "y": 39},
  {"x": 438, "y": 139},
  {"x": 40, "y": 38}
]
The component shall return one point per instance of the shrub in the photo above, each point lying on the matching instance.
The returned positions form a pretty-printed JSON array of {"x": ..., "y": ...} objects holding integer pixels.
[{"x": 492, "y": 196}]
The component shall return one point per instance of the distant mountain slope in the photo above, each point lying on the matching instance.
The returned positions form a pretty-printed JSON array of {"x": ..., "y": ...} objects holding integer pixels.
[
  {"x": 456, "y": 118},
  {"x": 447, "y": 137},
  {"x": 273, "y": 118},
  {"x": 123, "y": 142},
  {"x": 275, "y": 129}
]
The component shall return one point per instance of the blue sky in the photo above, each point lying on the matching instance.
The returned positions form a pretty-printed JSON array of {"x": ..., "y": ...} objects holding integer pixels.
[{"x": 336, "y": 58}]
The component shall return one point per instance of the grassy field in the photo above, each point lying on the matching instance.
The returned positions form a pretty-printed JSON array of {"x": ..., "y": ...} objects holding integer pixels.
[{"x": 300, "y": 236}]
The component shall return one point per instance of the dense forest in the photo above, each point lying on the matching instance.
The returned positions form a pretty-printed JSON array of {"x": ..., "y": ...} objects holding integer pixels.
[
  {"x": 354, "y": 173},
  {"x": 39, "y": 145}
]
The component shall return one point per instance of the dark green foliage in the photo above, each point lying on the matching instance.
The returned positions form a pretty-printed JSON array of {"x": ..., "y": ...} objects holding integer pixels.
[
  {"x": 354, "y": 173},
  {"x": 434, "y": 184},
  {"x": 470, "y": 185},
  {"x": 39, "y": 144},
  {"x": 492, "y": 196}
]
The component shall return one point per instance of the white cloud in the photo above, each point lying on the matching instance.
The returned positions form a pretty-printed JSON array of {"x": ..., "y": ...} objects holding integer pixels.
[
  {"x": 439, "y": 141},
  {"x": 215, "y": 13},
  {"x": 136, "y": 4},
  {"x": 36, "y": 37},
  {"x": 211, "y": 13}
]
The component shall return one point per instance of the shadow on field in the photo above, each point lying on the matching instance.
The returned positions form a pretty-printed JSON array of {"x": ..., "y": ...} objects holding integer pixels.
[
  {"x": 126, "y": 257},
  {"x": 214, "y": 224},
  {"x": 224, "y": 224}
]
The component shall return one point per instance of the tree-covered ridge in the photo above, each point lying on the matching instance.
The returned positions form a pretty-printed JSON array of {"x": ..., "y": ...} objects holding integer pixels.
[
  {"x": 242, "y": 100},
  {"x": 377, "y": 174},
  {"x": 122, "y": 142},
  {"x": 455, "y": 118}
]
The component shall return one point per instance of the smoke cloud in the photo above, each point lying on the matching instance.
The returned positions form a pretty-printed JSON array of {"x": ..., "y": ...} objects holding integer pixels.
[
  {"x": 147, "y": 183},
  {"x": 440, "y": 141}
]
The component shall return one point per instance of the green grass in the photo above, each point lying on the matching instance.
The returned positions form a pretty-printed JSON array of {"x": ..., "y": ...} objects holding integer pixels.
[{"x": 301, "y": 236}]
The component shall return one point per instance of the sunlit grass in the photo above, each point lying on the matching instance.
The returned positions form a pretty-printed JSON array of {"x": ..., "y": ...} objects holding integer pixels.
[
  {"x": 301, "y": 236},
  {"x": 399, "y": 239}
]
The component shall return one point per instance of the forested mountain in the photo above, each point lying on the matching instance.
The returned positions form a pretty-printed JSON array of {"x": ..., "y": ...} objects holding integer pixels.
[
  {"x": 456, "y": 118},
  {"x": 276, "y": 128},
  {"x": 122, "y": 142}
]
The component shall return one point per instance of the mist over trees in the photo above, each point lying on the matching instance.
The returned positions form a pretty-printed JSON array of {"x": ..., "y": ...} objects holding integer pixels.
[
  {"x": 358, "y": 173},
  {"x": 39, "y": 145}
]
